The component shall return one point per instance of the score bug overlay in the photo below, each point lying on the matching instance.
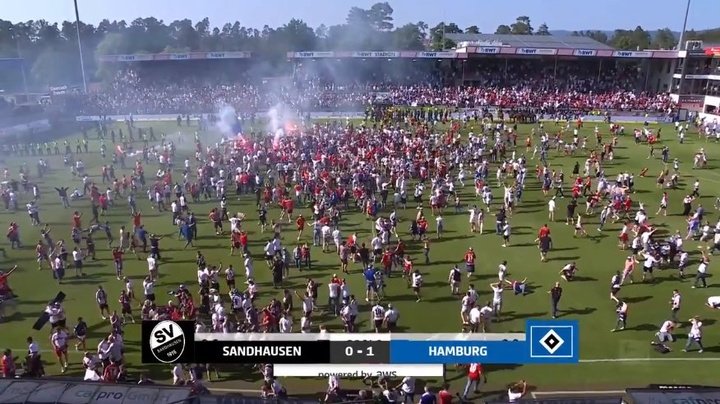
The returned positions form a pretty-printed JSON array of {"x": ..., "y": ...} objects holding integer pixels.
[
  {"x": 168, "y": 341},
  {"x": 553, "y": 341}
]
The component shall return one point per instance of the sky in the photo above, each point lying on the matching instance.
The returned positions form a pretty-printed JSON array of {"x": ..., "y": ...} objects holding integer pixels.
[{"x": 487, "y": 15}]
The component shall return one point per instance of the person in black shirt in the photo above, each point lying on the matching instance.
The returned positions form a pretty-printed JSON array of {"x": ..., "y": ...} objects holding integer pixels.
[
  {"x": 571, "y": 211},
  {"x": 62, "y": 193},
  {"x": 364, "y": 253},
  {"x": 277, "y": 272},
  {"x": 499, "y": 221},
  {"x": 80, "y": 331},
  {"x": 555, "y": 295}
]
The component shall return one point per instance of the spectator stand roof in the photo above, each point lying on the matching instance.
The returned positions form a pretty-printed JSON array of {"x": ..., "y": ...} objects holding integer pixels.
[{"x": 531, "y": 41}]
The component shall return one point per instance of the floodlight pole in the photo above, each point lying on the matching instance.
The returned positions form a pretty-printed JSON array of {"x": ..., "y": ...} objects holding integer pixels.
[
  {"x": 681, "y": 44},
  {"x": 22, "y": 66},
  {"x": 80, "y": 51}
]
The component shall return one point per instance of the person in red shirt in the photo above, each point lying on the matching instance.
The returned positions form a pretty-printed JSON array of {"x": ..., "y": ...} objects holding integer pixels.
[
  {"x": 118, "y": 259},
  {"x": 475, "y": 377},
  {"x": 288, "y": 207},
  {"x": 76, "y": 219},
  {"x": 8, "y": 365},
  {"x": 137, "y": 221},
  {"x": 5, "y": 290},
  {"x": 470, "y": 262},
  {"x": 445, "y": 397},
  {"x": 111, "y": 373},
  {"x": 300, "y": 225},
  {"x": 235, "y": 243},
  {"x": 386, "y": 260},
  {"x": 544, "y": 231}
]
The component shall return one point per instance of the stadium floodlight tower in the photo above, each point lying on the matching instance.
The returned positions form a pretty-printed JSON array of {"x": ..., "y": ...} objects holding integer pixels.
[{"x": 80, "y": 50}]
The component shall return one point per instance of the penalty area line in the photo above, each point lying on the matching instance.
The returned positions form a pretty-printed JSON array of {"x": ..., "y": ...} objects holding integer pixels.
[
  {"x": 537, "y": 394},
  {"x": 602, "y": 360}
]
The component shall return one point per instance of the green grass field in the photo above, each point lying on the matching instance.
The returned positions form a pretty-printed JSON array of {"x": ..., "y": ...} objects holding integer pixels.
[{"x": 608, "y": 360}]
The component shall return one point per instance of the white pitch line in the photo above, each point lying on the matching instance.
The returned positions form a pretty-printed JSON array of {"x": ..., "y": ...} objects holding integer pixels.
[
  {"x": 535, "y": 394},
  {"x": 602, "y": 360},
  {"x": 257, "y": 391}
]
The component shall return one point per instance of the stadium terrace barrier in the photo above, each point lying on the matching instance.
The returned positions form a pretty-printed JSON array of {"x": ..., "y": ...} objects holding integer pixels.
[
  {"x": 709, "y": 117},
  {"x": 349, "y": 115},
  {"x": 38, "y": 391}
]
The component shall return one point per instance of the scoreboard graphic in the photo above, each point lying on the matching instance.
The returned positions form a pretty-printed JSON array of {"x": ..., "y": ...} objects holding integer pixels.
[{"x": 544, "y": 342}]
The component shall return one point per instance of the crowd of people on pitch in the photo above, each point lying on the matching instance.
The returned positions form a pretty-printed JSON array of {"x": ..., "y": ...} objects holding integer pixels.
[{"x": 575, "y": 86}]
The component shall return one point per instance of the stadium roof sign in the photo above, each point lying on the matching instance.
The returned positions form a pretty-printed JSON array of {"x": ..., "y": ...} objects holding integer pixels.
[
  {"x": 530, "y": 41},
  {"x": 466, "y": 52},
  {"x": 377, "y": 55},
  {"x": 153, "y": 57}
]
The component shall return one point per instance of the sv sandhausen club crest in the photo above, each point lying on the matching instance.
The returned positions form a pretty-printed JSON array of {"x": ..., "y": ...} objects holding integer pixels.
[{"x": 167, "y": 341}]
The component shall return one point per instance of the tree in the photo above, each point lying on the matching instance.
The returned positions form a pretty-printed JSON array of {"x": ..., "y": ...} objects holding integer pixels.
[
  {"x": 664, "y": 39},
  {"x": 380, "y": 16},
  {"x": 543, "y": 30},
  {"x": 521, "y": 26},
  {"x": 503, "y": 30},
  {"x": 595, "y": 35},
  {"x": 636, "y": 39},
  {"x": 409, "y": 37},
  {"x": 438, "y": 36},
  {"x": 473, "y": 29}
]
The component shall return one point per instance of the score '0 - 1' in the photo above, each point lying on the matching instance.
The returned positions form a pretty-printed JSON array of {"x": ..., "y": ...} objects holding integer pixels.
[{"x": 349, "y": 351}]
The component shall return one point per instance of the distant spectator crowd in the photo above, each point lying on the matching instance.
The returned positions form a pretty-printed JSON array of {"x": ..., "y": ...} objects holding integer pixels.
[{"x": 316, "y": 86}]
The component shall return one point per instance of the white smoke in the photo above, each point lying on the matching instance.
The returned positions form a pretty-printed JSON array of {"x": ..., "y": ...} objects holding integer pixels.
[
  {"x": 227, "y": 121},
  {"x": 278, "y": 117}
]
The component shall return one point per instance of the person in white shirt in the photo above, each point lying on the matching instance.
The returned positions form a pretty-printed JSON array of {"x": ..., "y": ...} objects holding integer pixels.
[
  {"x": 695, "y": 335},
  {"x": 416, "y": 282},
  {"x": 391, "y": 318},
  {"x": 149, "y": 288},
  {"x": 675, "y": 300},
  {"x": 517, "y": 391},
  {"x": 551, "y": 209},
  {"x": 59, "y": 342},
  {"x": 334, "y": 297},
  {"x": 440, "y": 225},
  {"x": 486, "y": 314},
  {"x": 702, "y": 271},
  {"x": 713, "y": 302},
  {"x": 407, "y": 388},
  {"x": 78, "y": 261},
  {"x": 454, "y": 278},
  {"x": 285, "y": 323},
  {"x": 665, "y": 333},
  {"x": 152, "y": 267},
  {"x": 333, "y": 388},
  {"x": 305, "y": 324},
  {"x": 497, "y": 301},
  {"x": 178, "y": 375},
  {"x": 248, "y": 263},
  {"x": 475, "y": 319},
  {"x": 648, "y": 265},
  {"x": 502, "y": 272}
]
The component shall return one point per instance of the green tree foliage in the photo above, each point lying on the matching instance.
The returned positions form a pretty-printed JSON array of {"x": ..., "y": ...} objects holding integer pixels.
[
  {"x": 521, "y": 26},
  {"x": 503, "y": 29},
  {"x": 543, "y": 30},
  {"x": 596, "y": 35},
  {"x": 51, "y": 55}
]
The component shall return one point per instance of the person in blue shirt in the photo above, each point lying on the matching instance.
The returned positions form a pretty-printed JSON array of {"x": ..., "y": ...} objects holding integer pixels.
[
  {"x": 428, "y": 397},
  {"x": 369, "y": 275},
  {"x": 519, "y": 287},
  {"x": 141, "y": 234}
]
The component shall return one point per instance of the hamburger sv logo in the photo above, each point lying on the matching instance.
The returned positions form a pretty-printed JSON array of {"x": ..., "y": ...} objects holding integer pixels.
[{"x": 167, "y": 341}]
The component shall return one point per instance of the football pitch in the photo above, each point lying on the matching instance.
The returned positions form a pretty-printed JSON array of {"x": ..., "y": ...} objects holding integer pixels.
[{"x": 608, "y": 360}]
